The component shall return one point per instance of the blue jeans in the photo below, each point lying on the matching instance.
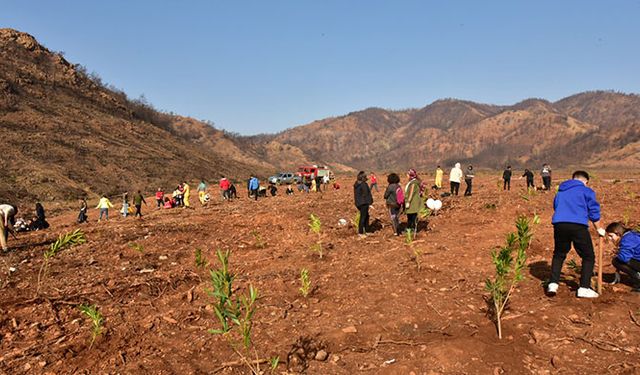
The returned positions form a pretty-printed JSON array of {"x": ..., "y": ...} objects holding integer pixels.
[{"x": 104, "y": 211}]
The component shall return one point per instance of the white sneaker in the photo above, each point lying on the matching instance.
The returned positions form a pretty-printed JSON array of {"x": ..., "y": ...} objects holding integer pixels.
[
  {"x": 552, "y": 288},
  {"x": 587, "y": 293}
]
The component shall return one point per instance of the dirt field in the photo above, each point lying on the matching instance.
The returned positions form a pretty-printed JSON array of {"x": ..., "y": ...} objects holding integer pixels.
[{"x": 371, "y": 309}]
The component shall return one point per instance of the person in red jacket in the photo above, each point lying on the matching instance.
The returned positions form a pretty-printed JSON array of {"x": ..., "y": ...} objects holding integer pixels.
[
  {"x": 159, "y": 198},
  {"x": 224, "y": 186},
  {"x": 374, "y": 181}
]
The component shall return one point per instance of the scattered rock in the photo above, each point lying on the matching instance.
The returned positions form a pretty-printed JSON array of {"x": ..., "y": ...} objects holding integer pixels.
[
  {"x": 350, "y": 329},
  {"x": 163, "y": 257},
  {"x": 321, "y": 355},
  {"x": 555, "y": 361},
  {"x": 169, "y": 319}
]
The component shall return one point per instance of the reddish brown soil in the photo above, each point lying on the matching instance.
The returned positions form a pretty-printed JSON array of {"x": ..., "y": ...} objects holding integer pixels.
[{"x": 426, "y": 322}]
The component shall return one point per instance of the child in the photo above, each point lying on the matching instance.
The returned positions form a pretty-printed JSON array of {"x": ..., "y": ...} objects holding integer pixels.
[
  {"x": 104, "y": 206},
  {"x": 628, "y": 258},
  {"x": 574, "y": 206},
  {"x": 394, "y": 197},
  {"x": 289, "y": 190},
  {"x": 363, "y": 199}
]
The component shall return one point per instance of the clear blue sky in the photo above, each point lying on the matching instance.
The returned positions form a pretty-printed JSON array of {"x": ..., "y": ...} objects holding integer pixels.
[{"x": 263, "y": 66}]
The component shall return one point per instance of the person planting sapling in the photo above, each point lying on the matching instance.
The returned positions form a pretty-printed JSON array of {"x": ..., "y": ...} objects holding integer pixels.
[
  {"x": 628, "y": 258},
  {"x": 574, "y": 206}
]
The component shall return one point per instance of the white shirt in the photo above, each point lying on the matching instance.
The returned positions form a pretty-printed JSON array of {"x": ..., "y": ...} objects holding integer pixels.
[{"x": 455, "y": 175}]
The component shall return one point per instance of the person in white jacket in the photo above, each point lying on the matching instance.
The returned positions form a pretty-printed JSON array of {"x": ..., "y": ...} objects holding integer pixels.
[
  {"x": 7, "y": 219},
  {"x": 455, "y": 177}
]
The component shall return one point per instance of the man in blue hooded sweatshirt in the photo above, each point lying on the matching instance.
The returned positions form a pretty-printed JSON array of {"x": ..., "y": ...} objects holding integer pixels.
[{"x": 574, "y": 206}]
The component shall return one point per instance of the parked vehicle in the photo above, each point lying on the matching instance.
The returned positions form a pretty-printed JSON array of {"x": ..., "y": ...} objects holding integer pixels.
[
  {"x": 313, "y": 171},
  {"x": 284, "y": 178}
]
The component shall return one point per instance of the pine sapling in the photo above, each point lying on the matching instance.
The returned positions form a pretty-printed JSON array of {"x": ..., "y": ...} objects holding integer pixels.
[
  {"x": 305, "y": 281},
  {"x": 509, "y": 268},
  {"x": 92, "y": 312}
]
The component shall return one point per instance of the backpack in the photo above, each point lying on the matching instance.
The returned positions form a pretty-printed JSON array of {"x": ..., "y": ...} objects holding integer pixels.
[{"x": 399, "y": 196}]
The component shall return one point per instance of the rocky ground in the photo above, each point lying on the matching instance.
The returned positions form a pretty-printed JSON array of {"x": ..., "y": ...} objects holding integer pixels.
[{"x": 371, "y": 310}]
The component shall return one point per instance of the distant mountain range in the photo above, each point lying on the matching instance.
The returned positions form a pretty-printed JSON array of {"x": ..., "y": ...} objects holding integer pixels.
[{"x": 66, "y": 134}]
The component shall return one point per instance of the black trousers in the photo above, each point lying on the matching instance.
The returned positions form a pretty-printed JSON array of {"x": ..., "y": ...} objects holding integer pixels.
[
  {"x": 138, "y": 210},
  {"x": 363, "y": 224},
  {"x": 255, "y": 193},
  {"x": 546, "y": 181},
  {"x": 412, "y": 222},
  {"x": 455, "y": 187},
  {"x": 530, "y": 183},
  {"x": 469, "y": 183},
  {"x": 565, "y": 234},
  {"x": 632, "y": 269},
  {"x": 506, "y": 185}
]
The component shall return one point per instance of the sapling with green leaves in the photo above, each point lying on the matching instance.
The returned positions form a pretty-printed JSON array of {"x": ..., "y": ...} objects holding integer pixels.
[
  {"x": 315, "y": 225},
  {"x": 234, "y": 313},
  {"x": 509, "y": 268},
  {"x": 305, "y": 281},
  {"x": 97, "y": 319},
  {"x": 137, "y": 247},
  {"x": 416, "y": 250},
  {"x": 355, "y": 221},
  {"x": 64, "y": 241},
  {"x": 200, "y": 260}
]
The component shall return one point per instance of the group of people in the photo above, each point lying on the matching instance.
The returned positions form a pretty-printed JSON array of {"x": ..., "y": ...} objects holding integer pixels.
[
  {"x": 9, "y": 224},
  {"x": 575, "y": 205},
  {"x": 545, "y": 173}
]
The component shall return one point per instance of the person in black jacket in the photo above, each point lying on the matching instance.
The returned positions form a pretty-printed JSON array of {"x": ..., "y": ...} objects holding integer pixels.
[
  {"x": 363, "y": 199},
  {"x": 529, "y": 175},
  {"x": 506, "y": 178},
  {"x": 40, "y": 221}
]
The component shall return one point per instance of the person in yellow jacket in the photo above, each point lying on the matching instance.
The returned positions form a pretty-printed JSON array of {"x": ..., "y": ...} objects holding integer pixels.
[
  {"x": 439, "y": 174},
  {"x": 187, "y": 193},
  {"x": 104, "y": 205}
]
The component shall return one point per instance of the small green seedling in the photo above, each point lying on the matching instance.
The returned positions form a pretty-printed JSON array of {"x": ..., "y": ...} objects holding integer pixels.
[
  {"x": 409, "y": 237},
  {"x": 273, "y": 363},
  {"x": 201, "y": 262},
  {"x": 356, "y": 221},
  {"x": 97, "y": 319},
  {"x": 258, "y": 241},
  {"x": 137, "y": 247},
  {"x": 574, "y": 266},
  {"x": 74, "y": 238},
  {"x": 316, "y": 227},
  {"x": 305, "y": 289}
]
